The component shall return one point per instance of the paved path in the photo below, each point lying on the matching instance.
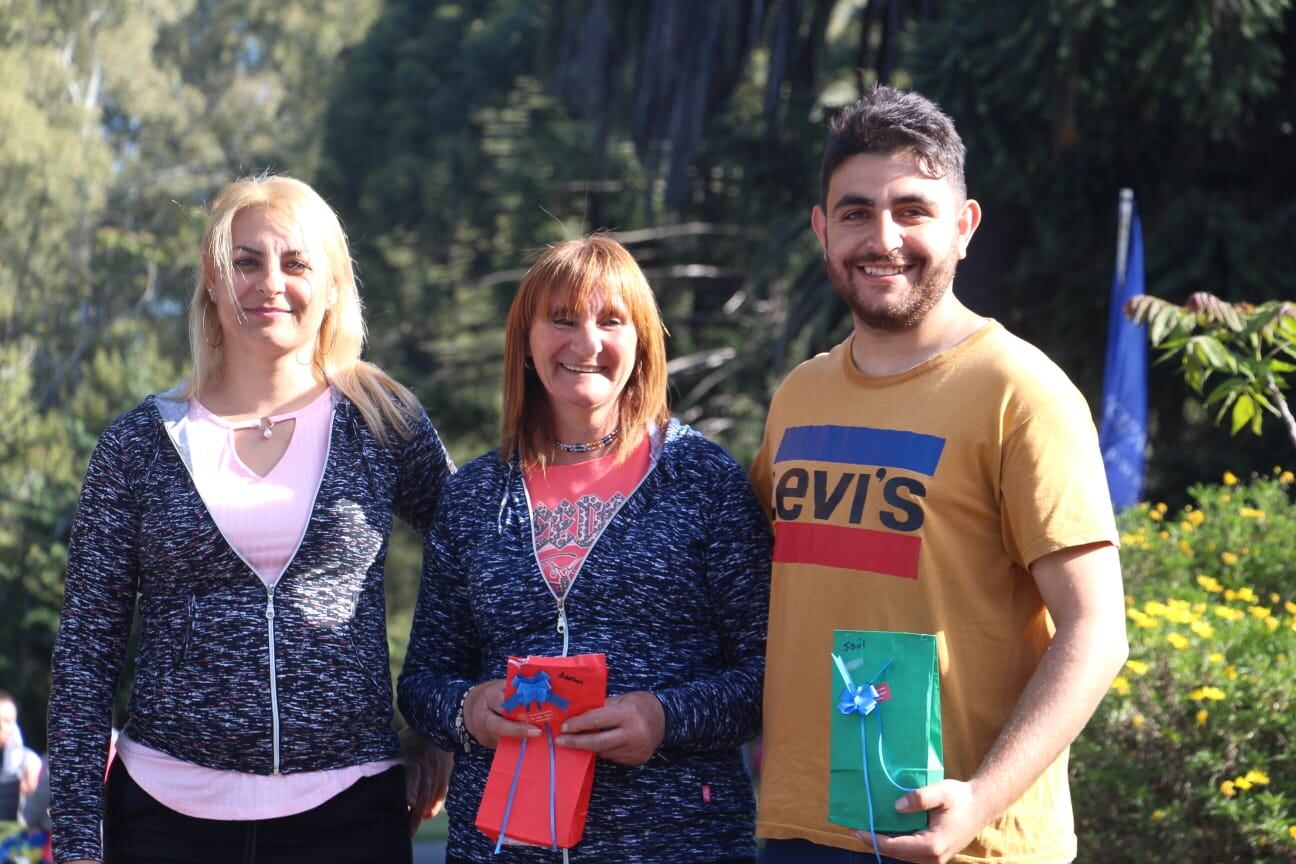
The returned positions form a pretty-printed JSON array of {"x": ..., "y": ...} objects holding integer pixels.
[{"x": 429, "y": 853}]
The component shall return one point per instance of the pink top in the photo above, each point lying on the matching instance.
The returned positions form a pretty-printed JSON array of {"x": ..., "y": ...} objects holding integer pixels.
[
  {"x": 572, "y": 504},
  {"x": 263, "y": 519}
]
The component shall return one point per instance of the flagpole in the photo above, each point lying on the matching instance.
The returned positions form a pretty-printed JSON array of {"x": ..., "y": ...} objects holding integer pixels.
[
  {"x": 1122, "y": 231},
  {"x": 1123, "y": 431}
]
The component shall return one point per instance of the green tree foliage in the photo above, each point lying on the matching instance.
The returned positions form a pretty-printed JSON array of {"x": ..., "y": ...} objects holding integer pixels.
[
  {"x": 118, "y": 120},
  {"x": 1189, "y": 102}
]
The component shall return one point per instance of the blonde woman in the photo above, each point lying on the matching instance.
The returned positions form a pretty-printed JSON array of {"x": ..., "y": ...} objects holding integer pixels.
[
  {"x": 245, "y": 516},
  {"x": 600, "y": 525}
]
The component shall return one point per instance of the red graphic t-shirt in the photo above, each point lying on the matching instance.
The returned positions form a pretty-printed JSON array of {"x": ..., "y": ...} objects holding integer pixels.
[{"x": 570, "y": 506}]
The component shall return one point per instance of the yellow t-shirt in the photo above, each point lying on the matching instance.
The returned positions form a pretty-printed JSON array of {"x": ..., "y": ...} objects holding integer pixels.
[{"x": 915, "y": 502}]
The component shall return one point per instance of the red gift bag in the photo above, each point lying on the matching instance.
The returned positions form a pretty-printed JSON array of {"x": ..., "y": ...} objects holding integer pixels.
[{"x": 537, "y": 792}]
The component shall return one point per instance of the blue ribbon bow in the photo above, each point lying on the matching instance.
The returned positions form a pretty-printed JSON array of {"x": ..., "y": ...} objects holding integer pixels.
[
  {"x": 534, "y": 690},
  {"x": 858, "y": 700}
]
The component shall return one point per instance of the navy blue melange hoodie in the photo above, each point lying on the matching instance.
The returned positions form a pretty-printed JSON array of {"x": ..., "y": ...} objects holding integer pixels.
[
  {"x": 675, "y": 592},
  {"x": 228, "y": 675}
]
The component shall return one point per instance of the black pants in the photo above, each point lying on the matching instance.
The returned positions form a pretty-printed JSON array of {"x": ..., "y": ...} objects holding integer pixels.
[{"x": 367, "y": 823}]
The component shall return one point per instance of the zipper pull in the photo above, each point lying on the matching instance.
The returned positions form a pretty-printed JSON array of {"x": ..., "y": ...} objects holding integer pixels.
[
  {"x": 562, "y": 623},
  {"x": 269, "y": 604}
]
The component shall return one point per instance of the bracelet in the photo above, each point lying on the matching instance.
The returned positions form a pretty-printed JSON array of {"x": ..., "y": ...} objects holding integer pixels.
[{"x": 466, "y": 739}]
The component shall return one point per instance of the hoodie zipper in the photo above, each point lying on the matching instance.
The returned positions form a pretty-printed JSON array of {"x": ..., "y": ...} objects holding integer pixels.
[
  {"x": 560, "y": 600},
  {"x": 270, "y": 589}
]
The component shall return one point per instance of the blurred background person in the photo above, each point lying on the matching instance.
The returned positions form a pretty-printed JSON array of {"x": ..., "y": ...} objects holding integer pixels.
[{"x": 20, "y": 766}]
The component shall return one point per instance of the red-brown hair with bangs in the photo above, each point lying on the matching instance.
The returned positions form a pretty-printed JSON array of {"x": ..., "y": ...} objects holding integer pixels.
[{"x": 567, "y": 275}]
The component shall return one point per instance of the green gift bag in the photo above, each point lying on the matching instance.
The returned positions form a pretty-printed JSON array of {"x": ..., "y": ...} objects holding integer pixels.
[{"x": 885, "y": 732}]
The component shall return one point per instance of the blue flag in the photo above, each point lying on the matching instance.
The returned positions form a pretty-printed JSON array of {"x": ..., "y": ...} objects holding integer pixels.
[{"x": 1123, "y": 432}]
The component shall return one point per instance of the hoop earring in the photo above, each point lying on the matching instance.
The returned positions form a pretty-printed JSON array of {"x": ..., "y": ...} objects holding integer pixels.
[{"x": 210, "y": 344}]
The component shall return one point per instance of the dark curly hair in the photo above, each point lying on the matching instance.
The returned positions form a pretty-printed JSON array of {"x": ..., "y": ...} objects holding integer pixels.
[{"x": 889, "y": 121}]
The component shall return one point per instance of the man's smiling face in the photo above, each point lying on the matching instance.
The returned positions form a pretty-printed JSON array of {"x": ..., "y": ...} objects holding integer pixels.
[{"x": 892, "y": 237}]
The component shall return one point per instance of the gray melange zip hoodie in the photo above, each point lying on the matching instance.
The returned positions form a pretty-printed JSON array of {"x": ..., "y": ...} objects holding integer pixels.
[
  {"x": 229, "y": 674},
  {"x": 675, "y": 592}
]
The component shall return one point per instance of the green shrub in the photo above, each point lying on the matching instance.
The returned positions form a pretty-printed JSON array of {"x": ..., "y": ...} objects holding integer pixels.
[{"x": 1190, "y": 756}]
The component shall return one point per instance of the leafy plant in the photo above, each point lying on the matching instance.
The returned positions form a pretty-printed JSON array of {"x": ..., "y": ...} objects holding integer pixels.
[{"x": 1246, "y": 349}]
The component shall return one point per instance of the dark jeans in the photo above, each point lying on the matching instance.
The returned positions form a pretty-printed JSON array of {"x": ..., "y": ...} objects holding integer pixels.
[
  {"x": 805, "y": 852},
  {"x": 367, "y": 823}
]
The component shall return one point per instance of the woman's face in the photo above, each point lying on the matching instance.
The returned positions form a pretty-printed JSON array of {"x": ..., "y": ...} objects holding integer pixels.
[
  {"x": 584, "y": 358},
  {"x": 279, "y": 292}
]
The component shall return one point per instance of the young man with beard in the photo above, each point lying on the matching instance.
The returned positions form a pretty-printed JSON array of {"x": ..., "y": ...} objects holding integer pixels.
[{"x": 932, "y": 474}]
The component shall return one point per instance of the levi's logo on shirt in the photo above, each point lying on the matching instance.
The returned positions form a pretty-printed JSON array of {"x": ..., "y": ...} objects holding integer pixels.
[{"x": 823, "y": 516}]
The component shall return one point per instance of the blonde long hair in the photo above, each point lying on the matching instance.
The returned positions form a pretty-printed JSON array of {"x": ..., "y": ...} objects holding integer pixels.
[
  {"x": 566, "y": 276},
  {"x": 385, "y": 404}
]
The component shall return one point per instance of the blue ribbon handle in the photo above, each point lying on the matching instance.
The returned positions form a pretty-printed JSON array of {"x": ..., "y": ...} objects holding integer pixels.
[
  {"x": 534, "y": 690},
  {"x": 862, "y": 700}
]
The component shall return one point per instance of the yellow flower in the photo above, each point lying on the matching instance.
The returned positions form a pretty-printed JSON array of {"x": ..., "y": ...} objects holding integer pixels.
[
  {"x": 1228, "y": 558},
  {"x": 1271, "y": 623},
  {"x": 1286, "y": 478},
  {"x": 1138, "y": 667},
  {"x": 1251, "y": 513},
  {"x": 1186, "y": 548},
  {"x": 1210, "y": 583},
  {"x": 1186, "y": 527},
  {"x": 1230, "y": 479},
  {"x": 1215, "y": 657},
  {"x": 1137, "y": 721},
  {"x": 1230, "y": 672},
  {"x": 1214, "y": 694},
  {"x": 1156, "y": 815},
  {"x": 1258, "y": 777},
  {"x": 1273, "y": 597},
  {"x": 1202, "y": 629},
  {"x": 1177, "y": 640},
  {"x": 1202, "y": 716},
  {"x": 1226, "y": 498},
  {"x": 1242, "y": 783},
  {"x": 1142, "y": 620},
  {"x": 1162, "y": 507},
  {"x": 1246, "y": 595},
  {"x": 1227, "y": 790},
  {"x": 1258, "y": 611},
  {"x": 1196, "y": 517},
  {"x": 1228, "y": 613},
  {"x": 1291, "y": 832},
  {"x": 1164, "y": 535},
  {"x": 1155, "y": 515},
  {"x": 1290, "y": 607},
  {"x": 1120, "y": 685}
]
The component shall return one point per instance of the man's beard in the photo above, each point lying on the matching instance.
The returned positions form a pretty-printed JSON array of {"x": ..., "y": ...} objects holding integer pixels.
[{"x": 902, "y": 313}]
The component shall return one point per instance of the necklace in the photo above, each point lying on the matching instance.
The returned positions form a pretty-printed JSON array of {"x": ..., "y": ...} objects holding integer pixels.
[
  {"x": 588, "y": 446},
  {"x": 267, "y": 425}
]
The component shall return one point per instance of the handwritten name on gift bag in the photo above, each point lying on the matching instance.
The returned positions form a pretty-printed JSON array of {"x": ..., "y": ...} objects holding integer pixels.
[
  {"x": 885, "y": 731},
  {"x": 537, "y": 792}
]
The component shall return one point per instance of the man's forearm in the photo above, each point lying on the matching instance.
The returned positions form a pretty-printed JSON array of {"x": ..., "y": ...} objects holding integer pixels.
[{"x": 1086, "y": 653}]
